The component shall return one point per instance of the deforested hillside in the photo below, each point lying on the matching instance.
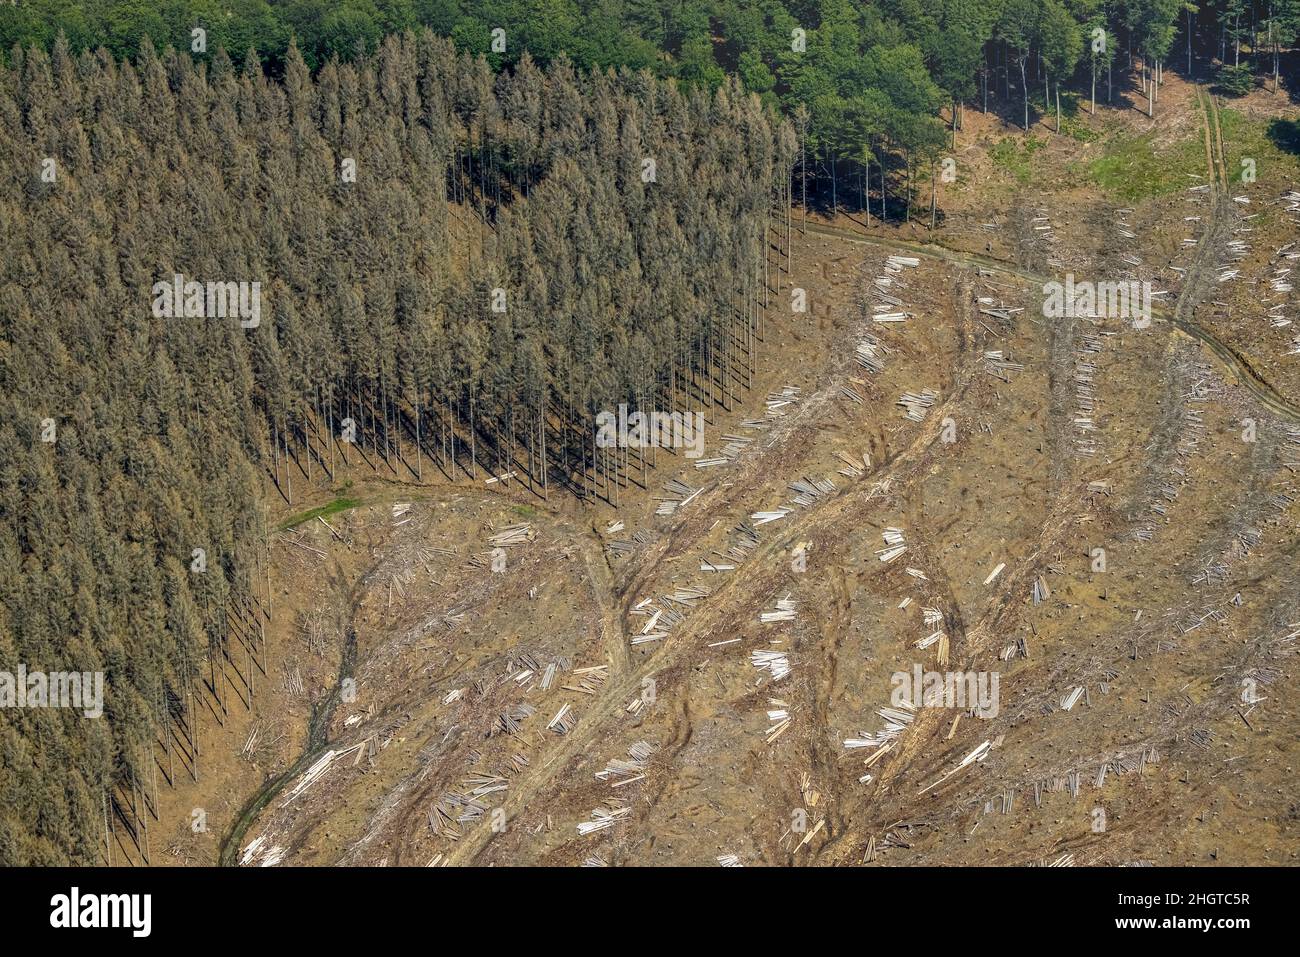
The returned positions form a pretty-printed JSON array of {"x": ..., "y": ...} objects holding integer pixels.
[{"x": 209, "y": 278}]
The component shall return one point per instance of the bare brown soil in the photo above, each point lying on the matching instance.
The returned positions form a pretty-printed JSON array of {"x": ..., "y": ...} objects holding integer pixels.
[{"x": 1193, "y": 609}]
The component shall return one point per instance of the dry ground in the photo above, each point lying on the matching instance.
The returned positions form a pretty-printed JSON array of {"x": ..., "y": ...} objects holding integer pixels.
[{"x": 1172, "y": 644}]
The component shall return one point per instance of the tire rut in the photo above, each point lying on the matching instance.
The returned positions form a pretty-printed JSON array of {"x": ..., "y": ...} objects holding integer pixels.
[{"x": 1240, "y": 368}]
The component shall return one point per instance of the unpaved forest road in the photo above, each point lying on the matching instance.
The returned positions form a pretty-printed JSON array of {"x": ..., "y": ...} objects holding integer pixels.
[
  {"x": 842, "y": 510},
  {"x": 1197, "y": 283},
  {"x": 317, "y": 742}
]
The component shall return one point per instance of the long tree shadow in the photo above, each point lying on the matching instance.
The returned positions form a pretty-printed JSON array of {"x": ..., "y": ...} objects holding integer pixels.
[
  {"x": 1289, "y": 69},
  {"x": 1285, "y": 135}
]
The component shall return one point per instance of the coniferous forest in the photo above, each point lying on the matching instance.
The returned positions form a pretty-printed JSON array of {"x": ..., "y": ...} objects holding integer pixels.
[
  {"x": 870, "y": 86},
  {"x": 608, "y": 239}
]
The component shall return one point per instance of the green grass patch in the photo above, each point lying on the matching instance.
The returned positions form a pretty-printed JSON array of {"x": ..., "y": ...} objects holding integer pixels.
[
  {"x": 1077, "y": 128},
  {"x": 1273, "y": 145},
  {"x": 1132, "y": 170},
  {"x": 338, "y": 505},
  {"x": 1016, "y": 157},
  {"x": 1074, "y": 111},
  {"x": 525, "y": 511}
]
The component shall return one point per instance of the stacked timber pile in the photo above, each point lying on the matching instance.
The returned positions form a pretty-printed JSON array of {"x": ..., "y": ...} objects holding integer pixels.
[
  {"x": 774, "y": 662},
  {"x": 621, "y": 772},
  {"x": 513, "y": 535},
  {"x": 917, "y": 404},
  {"x": 853, "y": 468},
  {"x": 998, "y": 363},
  {"x": 778, "y": 713},
  {"x": 870, "y": 353},
  {"x": 895, "y": 544},
  {"x": 663, "y": 613},
  {"x": 777, "y": 402},
  {"x": 786, "y": 610},
  {"x": 607, "y": 815},
  {"x": 883, "y": 741},
  {"x": 997, "y": 309},
  {"x": 623, "y": 546},
  {"x": 682, "y": 495},
  {"x": 744, "y": 541},
  {"x": 807, "y": 490},
  {"x": 772, "y": 515}
]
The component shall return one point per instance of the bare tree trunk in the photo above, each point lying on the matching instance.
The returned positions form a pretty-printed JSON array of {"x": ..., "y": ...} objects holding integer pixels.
[
  {"x": 1024, "y": 85},
  {"x": 907, "y": 214},
  {"x": 866, "y": 185},
  {"x": 883, "y": 212},
  {"x": 803, "y": 175},
  {"x": 933, "y": 195},
  {"x": 834, "y": 204}
]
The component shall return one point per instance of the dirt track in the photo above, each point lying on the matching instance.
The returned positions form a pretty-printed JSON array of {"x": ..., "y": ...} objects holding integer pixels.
[{"x": 1010, "y": 490}]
